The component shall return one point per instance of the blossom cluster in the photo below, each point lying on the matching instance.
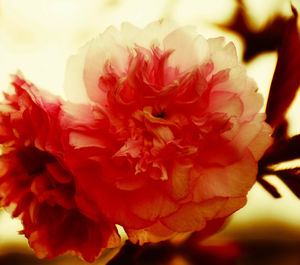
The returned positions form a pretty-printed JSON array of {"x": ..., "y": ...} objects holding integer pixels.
[{"x": 160, "y": 133}]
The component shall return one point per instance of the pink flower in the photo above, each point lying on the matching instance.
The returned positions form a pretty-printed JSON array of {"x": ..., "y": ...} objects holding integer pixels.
[
  {"x": 163, "y": 138},
  {"x": 173, "y": 136},
  {"x": 35, "y": 184}
]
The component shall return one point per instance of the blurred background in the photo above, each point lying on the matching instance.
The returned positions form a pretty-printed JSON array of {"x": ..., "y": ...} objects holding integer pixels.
[{"x": 37, "y": 37}]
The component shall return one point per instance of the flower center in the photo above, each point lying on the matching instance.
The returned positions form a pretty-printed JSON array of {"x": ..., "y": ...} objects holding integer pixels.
[{"x": 160, "y": 115}]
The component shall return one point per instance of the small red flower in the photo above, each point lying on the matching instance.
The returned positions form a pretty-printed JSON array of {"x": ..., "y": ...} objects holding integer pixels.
[
  {"x": 173, "y": 136},
  {"x": 36, "y": 186}
]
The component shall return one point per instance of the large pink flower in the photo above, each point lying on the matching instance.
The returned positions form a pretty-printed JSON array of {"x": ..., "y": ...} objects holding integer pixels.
[
  {"x": 35, "y": 184},
  {"x": 174, "y": 135}
]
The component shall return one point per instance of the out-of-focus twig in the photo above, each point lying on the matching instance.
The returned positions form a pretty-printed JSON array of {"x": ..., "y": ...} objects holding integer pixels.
[
  {"x": 284, "y": 87},
  {"x": 265, "y": 39}
]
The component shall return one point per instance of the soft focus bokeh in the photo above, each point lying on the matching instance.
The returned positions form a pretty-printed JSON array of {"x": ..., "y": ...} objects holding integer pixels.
[{"x": 37, "y": 37}]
